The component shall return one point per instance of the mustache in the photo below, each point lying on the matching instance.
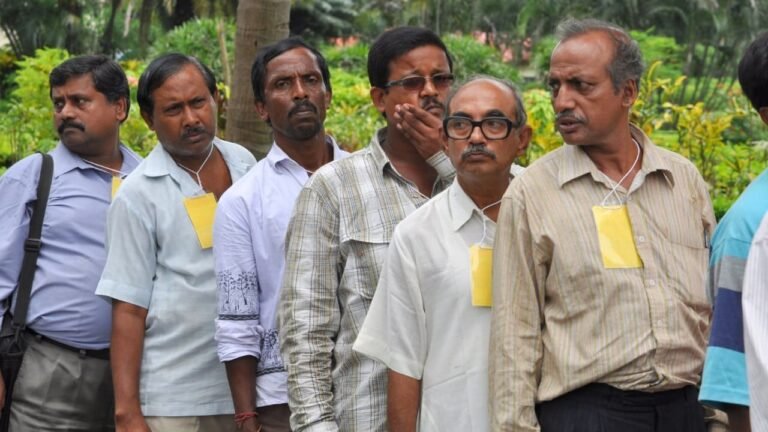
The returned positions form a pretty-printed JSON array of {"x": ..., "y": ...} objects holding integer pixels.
[
  {"x": 193, "y": 130},
  {"x": 474, "y": 149},
  {"x": 431, "y": 102},
  {"x": 70, "y": 124},
  {"x": 302, "y": 105},
  {"x": 569, "y": 115}
]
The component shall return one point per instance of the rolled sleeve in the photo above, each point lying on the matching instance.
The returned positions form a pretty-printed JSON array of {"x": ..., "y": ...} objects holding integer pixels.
[
  {"x": 131, "y": 255},
  {"x": 442, "y": 164},
  {"x": 309, "y": 313},
  {"x": 239, "y": 332}
]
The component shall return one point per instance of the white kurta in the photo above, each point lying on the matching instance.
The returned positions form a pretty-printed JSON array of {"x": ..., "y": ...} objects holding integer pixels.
[{"x": 422, "y": 323}]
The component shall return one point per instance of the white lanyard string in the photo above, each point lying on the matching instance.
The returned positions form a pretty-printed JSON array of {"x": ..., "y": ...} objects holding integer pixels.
[
  {"x": 485, "y": 218},
  {"x": 197, "y": 173},
  {"x": 615, "y": 187},
  {"x": 111, "y": 171}
]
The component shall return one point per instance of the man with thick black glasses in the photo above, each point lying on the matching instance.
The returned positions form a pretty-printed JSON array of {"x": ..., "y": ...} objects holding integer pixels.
[
  {"x": 341, "y": 227},
  {"x": 434, "y": 291}
]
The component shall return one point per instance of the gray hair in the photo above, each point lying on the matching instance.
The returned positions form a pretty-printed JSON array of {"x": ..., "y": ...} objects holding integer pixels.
[
  {"x": 627, "y": 63},
  {"x": 521, "y": 117}
]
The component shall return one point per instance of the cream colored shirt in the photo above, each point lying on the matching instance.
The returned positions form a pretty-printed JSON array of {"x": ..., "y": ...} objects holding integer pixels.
[{"x": 561, "y": 320}]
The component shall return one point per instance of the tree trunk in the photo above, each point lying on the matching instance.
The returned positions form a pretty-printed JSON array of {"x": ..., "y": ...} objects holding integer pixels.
[{"x": 259, "y": 23}]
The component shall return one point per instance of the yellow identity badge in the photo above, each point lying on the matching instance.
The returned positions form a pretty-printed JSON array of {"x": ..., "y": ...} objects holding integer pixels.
[
  {"x": 201, "y": 210},
  {"x": 116, "y": 182},
  {"x": 617, "y": 244},
  {"x": 481, "y": 264}
]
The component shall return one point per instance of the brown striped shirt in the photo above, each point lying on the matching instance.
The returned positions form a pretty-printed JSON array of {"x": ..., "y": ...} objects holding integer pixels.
[{"x": 561, "y": 320}]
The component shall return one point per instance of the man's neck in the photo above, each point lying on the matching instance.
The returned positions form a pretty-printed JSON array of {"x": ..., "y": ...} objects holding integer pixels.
[
  {"x": 617, "y": 158},
  {"x": 110, "y": 156},
  {"x": 485, "y": 191},
  {"x": 408, "y": 162},
  {"x": 311, "y": 154}
]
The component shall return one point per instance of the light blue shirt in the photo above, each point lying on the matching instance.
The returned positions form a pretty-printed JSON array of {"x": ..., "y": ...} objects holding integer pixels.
[
  {"x": 155, "y": 261},
  {"x": 62, "y": 303},
  {"x": 248, "y": 244}
]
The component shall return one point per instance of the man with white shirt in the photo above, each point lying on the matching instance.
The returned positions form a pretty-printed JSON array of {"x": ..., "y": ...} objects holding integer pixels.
[
  {"x": 292, "y": 90},
  {"x": 434, "y": 291}
]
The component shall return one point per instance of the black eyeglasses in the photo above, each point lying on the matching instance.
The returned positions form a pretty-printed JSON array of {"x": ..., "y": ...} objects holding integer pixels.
[
  {"x": 493, "y": 128},
  {"x": 417, "y": 82}
]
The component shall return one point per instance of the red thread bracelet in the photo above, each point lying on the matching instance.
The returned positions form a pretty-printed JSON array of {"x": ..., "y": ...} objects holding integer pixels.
[{"x": 240, "y": 418}]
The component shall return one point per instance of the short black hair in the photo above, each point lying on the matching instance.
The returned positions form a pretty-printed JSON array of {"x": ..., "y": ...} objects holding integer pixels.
[
  {"x": 108, "y": 77},
  {"x": 269, "y": 52},
  {"x": 161, "y": 69},
  {"x": 394, "y": 43},
  {"x": 753, "y": 72},
  {"x": 521, "y": 116},
  {"x": 627, "y": 63}
]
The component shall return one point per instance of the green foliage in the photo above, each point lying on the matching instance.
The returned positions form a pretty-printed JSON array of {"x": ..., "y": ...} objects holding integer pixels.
[
  {"x": 352, "y": 119},
  {"x": 660, "y": 49},
  {"x": 471, "y": 57},
  {"x": 352, "y": 59},
  {"x": 200, "y": 38}
]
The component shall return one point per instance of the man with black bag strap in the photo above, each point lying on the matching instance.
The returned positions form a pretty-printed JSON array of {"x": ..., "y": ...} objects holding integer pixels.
[{"x": 64, "y": 381}]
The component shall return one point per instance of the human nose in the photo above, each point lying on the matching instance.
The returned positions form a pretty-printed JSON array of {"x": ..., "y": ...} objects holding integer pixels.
[
  {"x": 189, "y": 116},
  {"x": 299, "y": 91},
  {"x": 562, "y": 99},
  {"x": 429, "y": 88},
  {"x": 66, "y": 111},
  {"x": 476, "y": 135}
]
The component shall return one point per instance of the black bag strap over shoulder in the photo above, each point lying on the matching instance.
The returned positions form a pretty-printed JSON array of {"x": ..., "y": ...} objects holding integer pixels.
[{"x": 33, "y": 243}]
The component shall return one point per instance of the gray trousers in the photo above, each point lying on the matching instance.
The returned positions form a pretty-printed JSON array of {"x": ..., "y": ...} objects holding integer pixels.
[{"x": 60, "y": 390}]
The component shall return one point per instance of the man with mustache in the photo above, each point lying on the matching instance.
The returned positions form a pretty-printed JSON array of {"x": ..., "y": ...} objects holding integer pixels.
[
  {"x": 340, "y": 229},
  {"x": 434, "y": 289},
  {"x": 600, "y": 316},
  {"x": 160, "y": 268},
  {"x": 91, "y": 99},
  {"x": 292, "y": 90}
]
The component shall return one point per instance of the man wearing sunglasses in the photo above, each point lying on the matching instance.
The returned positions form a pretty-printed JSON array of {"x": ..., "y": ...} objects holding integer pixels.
[
  {"x": 342, "y": 224},
  {"x": 600, "y": 316},
  {"x": 434, "y": 291}
]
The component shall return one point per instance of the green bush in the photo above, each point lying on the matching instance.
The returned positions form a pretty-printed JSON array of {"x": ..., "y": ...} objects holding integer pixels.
[
  {"x": 352, "y": 119},
  {"x": 471, "y": 57},
  {"x": 200, "y": 38}
]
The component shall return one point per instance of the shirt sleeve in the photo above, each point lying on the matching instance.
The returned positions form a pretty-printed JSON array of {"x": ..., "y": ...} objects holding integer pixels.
[
  {"x": 238, "y": 329},
  {"x": 755, "y": 305},
  {"x": 131, "y": 254},
  {"x": 16, "y": 193},
  {"x": 442, "y": 164},
  {"x": 309, "y": 313},
  {"x": 515, "y": 341},
  {"x": 395, "y": 328}
]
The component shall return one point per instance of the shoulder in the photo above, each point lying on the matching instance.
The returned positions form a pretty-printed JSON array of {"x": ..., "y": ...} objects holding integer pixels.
[
  {"x": 24, "y": 172},
  {"x": 743, "y": 218},
  {"x": 338, "y": 176},
  {"x": 235, "y": 151}
]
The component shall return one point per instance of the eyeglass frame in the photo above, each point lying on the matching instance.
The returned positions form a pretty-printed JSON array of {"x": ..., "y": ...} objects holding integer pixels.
[
  {"x": 431, "y": 78},
  {"x": 511, "y": 125}
]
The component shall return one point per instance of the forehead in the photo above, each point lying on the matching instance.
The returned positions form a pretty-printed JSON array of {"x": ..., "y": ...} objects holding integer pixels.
[
  {"x": 479, "y": 97},
  {"x": 186, "y": 82},
  {"x": 425, "y": 60},
  {"x": 590, "y": 52},
  {"x": 80, "y": 84},
  {"x": 295, "y": 60}
]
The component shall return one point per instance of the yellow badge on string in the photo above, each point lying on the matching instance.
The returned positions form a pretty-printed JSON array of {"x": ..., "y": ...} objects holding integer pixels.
[
  {"x": 201, "y": 210},
  {"x": 116, "y": 182},
  {"x": 481, "y": 265},
  {"x": 617, "y": 244}
]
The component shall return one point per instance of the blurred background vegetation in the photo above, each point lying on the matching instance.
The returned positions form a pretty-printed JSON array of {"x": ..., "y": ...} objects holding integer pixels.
[{"x": 690, "y": 100}]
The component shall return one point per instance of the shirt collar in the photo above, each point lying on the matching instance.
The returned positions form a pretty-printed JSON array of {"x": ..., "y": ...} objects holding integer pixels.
[
  {"x": 377, "y": 151},
  {"x": 277, "y": 155},
  {"x": 461, "y": 208},
  {"x": 576, "y": 163},
  {"x": 67, "y": 161},
  {"x": 161, "y": 163}
]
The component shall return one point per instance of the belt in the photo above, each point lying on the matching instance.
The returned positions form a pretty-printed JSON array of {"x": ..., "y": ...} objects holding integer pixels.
[{"x": 97, "y": 354}]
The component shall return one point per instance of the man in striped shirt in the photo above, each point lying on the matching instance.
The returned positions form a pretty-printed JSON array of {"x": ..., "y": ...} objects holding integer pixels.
[
  {"x": 600, "y": 316},
  {"x": 338, "y": 236}
]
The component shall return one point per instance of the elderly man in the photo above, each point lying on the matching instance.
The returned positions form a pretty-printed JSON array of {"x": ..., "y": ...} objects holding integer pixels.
[
  {"x": 732, "y": 235},
  {"x": 342, "y": 224},
  {"x": 600, "y": 315},
  {"x": 90, "y": 100},
  {"x": 292, "y": 90},
  {"x": 434, "y": 289},
  {"x": 160, "y": 268}
]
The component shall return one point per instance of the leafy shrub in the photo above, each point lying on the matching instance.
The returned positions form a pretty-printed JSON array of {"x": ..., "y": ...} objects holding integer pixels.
[
  {"x": 199, "y": 38},
  {"x": 352, "y": 119},
  {"x": 471, "y": 57}
]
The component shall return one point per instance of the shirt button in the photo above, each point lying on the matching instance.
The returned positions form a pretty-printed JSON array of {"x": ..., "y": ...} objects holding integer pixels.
[
  {"x": 659, "y": 323},
  {"x": 640, "y": 239},
  {"x": 652, "y": 282}
]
